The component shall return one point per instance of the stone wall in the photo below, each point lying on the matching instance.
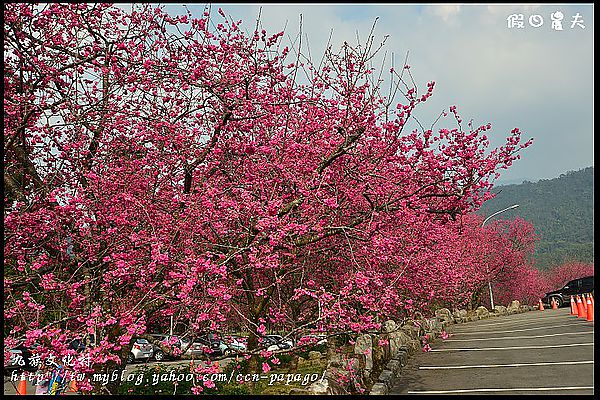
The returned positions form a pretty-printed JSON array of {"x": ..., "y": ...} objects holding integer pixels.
[{"x": 378, "y": 357}]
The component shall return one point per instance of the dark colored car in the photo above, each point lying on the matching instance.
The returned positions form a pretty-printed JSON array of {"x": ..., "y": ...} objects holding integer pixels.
[
  {"x": 277, "y": 342},
  {"x": 213, "y": 345},
  {"x": 80, "y": 344},
  {"x": 20, "y": 359},
  {"x": 572, "y": 288}
]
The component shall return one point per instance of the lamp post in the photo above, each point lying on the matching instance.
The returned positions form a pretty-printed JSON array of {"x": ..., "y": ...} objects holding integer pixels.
[{"x": 482, "y": 225}]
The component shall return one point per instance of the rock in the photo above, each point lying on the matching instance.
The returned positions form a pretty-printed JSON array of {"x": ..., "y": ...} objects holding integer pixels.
[
  {"x": 395, "y": 366},
  {"x": 319, "y": 387},
  {"x": 482, "y": 312},
  {"x": 434, "y": 327},
  {"x": 402, "y": 355},
  {"x": 444, "y": 315},
  {"x": 314, "y": 355},
  {"x": 514, "y": 307},
  {"x": 500, "y": 310},
  {"x": 418, "y": 315},
  {"x": 387, "y": 377},
  {"x": 379, "y": 389},
  {"x": 389, "y": 326},
  {"x": 414, "y": 346},
  {"x": 301, "y": 361},
  {"x": 364, "y": 348},
  {"x": 411, "y": 330},
  {"x": 336, "y": 361},
  {"x": 396, "y": 340},
  {"x": 418, "y": 323},
  {"x": 460, "y": 316}
]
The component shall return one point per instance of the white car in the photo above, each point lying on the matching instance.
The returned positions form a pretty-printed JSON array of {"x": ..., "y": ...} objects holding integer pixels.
[
  {"x": 235, "y": 343},
  {"x": 141, "y": 350},
  {"x": 277, "y": 342}
]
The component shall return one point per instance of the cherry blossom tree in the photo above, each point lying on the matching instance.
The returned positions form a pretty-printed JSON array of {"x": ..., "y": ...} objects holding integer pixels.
[
  {"x": 559, "y": 275},
  {"x": 162, "y": 167},
  {"x": 511, "y": 264}
]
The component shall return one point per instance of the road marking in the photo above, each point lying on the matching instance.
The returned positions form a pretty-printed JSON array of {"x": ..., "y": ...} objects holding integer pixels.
[
  {"x": 501, "y": 390},
  {"x": 514, "y": 330},
  {"x": 516, "y": 324},
  {"x": 508, "y": 365},
  {"x": 520, "y": 337},
  {"x": 525, "y": 321},
  {"x": 517, "y": 347}
]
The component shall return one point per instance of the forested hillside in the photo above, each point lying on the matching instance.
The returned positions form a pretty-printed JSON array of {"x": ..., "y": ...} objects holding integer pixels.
[{"x": 562, "y": 211}]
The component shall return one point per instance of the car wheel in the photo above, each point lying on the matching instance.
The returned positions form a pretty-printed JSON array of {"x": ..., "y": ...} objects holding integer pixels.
[
  {"x": 558, "y": 301},
  {"x": 159, "y": 355},
  {"x": 130, "y": 358},
  {"x": 228, "y": 352}
]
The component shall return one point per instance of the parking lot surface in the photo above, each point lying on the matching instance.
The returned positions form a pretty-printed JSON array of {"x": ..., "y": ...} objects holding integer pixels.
[{"x": 537, "y": 352}]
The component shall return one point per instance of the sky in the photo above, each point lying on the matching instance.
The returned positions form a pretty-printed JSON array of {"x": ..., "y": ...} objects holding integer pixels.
[{"x": 537, "y": 78}]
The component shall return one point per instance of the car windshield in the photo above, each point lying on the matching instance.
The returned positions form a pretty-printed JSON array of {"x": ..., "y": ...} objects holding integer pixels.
[{"x": 142, "y": 341}]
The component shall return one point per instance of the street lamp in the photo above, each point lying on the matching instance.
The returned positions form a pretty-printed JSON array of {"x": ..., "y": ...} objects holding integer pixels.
[{"x": 482, "y": 225}]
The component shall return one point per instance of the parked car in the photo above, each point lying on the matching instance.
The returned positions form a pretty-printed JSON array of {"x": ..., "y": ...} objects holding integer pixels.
[
  {"x": 20, "y": 357},
  {"x": 172, "y": 342},
  {"x": 141, "y": 350},
  {"x": 191, "y": 348},
  {"x": 80, "y": 344},
  {"x": 277, "y": 342},
  {"x": 572, "y": 288},
  {"x": 237, "y": 344},
  {"x": 213, "y": 345}
]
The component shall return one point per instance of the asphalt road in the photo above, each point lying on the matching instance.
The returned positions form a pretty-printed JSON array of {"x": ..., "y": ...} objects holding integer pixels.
[{"x": 537, "y": 352}]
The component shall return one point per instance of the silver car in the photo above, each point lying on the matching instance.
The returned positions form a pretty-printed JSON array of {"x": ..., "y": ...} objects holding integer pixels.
[
  {"x": 192, "y": 350},
  {"x": 172, "y": 342},
  {"x": 141, "y": 350}
]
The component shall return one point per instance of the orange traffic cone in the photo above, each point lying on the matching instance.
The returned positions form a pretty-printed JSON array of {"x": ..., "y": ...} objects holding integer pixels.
[
  {"x": 592, "y": 298},
  {"x": 22, "y": 388},
  {"x": 590, "y": 310},
  {"x": 573, "y": 307},
  {"x": 554, "y": 305},
  {"x": 540, "y": 305},
  {"x": 73, "y": 387},
  {"x": 580, "y": 310}
]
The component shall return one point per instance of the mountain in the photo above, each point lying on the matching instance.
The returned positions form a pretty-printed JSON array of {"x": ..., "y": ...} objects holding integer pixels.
[{"x": 561, "y": 210}]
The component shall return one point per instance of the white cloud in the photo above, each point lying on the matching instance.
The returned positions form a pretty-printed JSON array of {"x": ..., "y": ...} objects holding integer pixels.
[
  {"x": 446, "y": 12},
  {"x": 504, "y": 8}
]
